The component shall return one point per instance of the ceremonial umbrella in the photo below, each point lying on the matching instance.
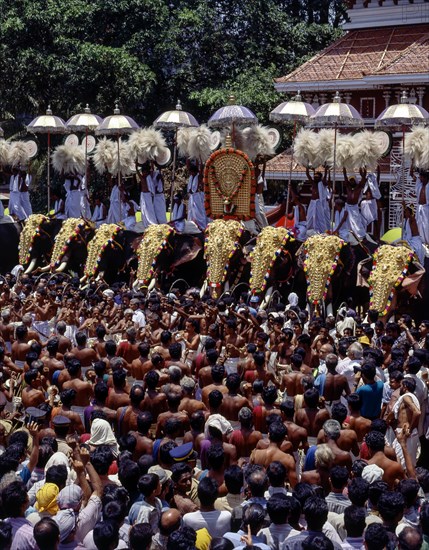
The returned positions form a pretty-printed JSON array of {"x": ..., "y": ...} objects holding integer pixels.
[
  {"x": 294, "y": 110},
  {"x": 399, "y": 117},
  {"x": 173, "y": 120},
  {"x": 232, "y": 114},
  {"x": 48, "y": 124},
  {"x": 117, "y": 125},
  {"x": 336, "y": 115},
  {"x": 84, "y": 122}
]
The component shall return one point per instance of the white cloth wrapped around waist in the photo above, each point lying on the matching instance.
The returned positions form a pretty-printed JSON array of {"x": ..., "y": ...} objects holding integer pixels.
[{"x": 231, "y": 365}]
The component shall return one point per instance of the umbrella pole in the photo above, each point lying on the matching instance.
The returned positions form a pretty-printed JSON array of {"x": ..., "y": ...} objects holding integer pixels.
[
  {"x": 119, "y": 181},
  {"x": 173, "y": 172},
  {"x": 290, "y": 172},
  {"x": 334, "y": 177},
  {"x": 49, "y": 172},
  {"x": 403, "y": 182}
]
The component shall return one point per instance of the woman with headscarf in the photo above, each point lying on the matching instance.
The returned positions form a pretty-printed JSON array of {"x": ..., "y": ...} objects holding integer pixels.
[{"x": 102, "y": 434}]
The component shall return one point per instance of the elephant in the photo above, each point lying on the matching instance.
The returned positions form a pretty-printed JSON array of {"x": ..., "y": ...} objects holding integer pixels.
[
  {"x": 70, "y": 247},
  {"x": 158, "y": 256},
  {"x": 395, "y": 277},
  {"x": 36, "y": 241},
  {"x": 9, "y": 235},
  {"x": 227, "y": 264},
  {"x": 271, "y": 260}
]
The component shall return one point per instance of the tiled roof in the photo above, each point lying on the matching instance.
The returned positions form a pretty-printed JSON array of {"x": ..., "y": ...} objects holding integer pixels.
[{"x": 366, "y": 52}]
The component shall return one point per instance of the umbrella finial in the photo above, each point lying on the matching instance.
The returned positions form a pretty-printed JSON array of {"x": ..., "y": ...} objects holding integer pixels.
[
  {"x": 49, "y": 110},
  {"x": 87, "y": 109},
  {"x": 116, "y": 110},
  {"x": 298, "y": 96},
  {"x": 337, "y": 98},
  {"x": 231, "y": 100},
  {"x": 178, "y": 106},
  {"x": 404, "y": 98},
  {"x": 228, "y": 141}
]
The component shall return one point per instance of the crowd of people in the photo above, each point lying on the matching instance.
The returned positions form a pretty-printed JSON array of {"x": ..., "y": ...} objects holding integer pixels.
[{"x": 150, "y": 421}]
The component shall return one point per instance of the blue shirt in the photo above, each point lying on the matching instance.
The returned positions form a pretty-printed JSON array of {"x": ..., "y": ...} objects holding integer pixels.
[{"x": 371, "y": 396}]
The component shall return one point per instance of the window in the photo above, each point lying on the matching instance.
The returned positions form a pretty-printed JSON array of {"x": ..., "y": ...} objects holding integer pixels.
[{"x": 367, "y": 107}]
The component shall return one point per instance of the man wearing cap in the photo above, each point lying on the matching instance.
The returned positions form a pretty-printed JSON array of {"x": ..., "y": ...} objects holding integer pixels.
[{"x": 371, "y": 392}]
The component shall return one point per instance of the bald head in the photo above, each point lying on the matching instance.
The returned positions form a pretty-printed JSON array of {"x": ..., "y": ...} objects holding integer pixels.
[
  {"x": 169, "y": 521},
  {"x": 331, "y": 362}
]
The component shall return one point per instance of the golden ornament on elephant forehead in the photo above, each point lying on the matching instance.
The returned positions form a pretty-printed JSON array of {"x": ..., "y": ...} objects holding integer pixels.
[
  {"x": 389, "y": 268},
  {"x": 222, "y": 240},
  {"x": 70, "y": 230},
  {"x": 229, "y": 185},
  {"x": 104, "y": 237},
  {"x": 155, "y": 239},
  {"x": 321, "y": 258},
  {"x": 30, "y": 232},
  {"x": 270, "y": 243}
]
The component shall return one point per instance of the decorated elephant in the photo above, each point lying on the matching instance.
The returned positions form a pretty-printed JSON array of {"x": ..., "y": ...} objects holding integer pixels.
[
  {"x": 165, "y": 256},
  {"x": 9, "y": 242},
  {"x": 36, "y": 241},
  {"x": 70, "y": 247},
  {"x": 395, "y": 278},
  {"x": 271, "y": 260},
  {"x": 227, "y": 263}
]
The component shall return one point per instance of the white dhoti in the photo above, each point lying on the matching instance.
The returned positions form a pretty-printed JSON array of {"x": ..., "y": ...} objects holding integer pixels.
[
  {"x": 25, "y": 203},
  {"x": 260, "y": 216},
  {"x": 413, "y": 447},
  {"x": 231, "y": 365},
  {"x": 43, "y": 329},
  {"x": 160, "y": 208},
  {"x": 15, "y": 206},
  {"x": 415, "y": 242},
  {"x": 368, "y": 209},
  {"x": 196, "y": 210},
  {"x": 147, "y": 209},
  {"x": 114, "y": 214},
  {"x": 85, "y": 209},
  {"x": 356, "y": 223},
  {"x": 301, "y": 231},
  {"x": 317, "y": 216},
  {"x": 72, "y": 206},
  {"x": 422, "y": 219}
]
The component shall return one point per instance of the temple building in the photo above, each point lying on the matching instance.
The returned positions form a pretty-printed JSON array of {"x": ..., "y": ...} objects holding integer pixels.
[{"x": 384, "y": 51}]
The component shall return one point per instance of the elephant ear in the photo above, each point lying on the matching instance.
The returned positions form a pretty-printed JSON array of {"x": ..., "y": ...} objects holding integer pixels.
[{"x": 188, "y": 252}]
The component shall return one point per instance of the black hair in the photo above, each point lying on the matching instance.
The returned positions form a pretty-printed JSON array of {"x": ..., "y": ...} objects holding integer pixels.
[
  {"x": 151, "y": 379},
  {"x": 50, "y": 442},
  {"x": 358, "y": 467},
  {"x": 316, "y": 513},
  {"x": 52, "y": 345},
  {"x": 278, "y": 508},
  {"x": 311, "y": 398},
  {"x": 269, "y": 394},
  {"x": 257, "y": 482},
  {"x": 147, "y": 484},
  {"x": 175, "y": 351},
  {"x": 302, "y": 492},
  {"x": 57, "y": 475},
  {"x": 216, "y": 457},
  {"x": 102, "y": 458},
  {"x": 19, "y": 438},
  {"x": 45, "y": 453},
  {"x": 182, "y": 539},
  {"x": 172, "y": 426},
  {"x": 5, "y": 534},
  {"x": 233, "y": 381},
  {"x": 354, "y": 520},
  {"x": 80, "y": 338},
  {"x": 254, "y": 516},
  {"x": 73, "y": 366},
  {"x": 136, "y": 395},
  {"x": 106, "y": 534},
  {"x": 358, "y": 490},
  {"x": 110, "y": 347},
  {"x": 101, "y": 391},
  {"x": 391, "y": 505},
  {"x": 129, "y": 474},
  {"x": 259, "y": 358},
  {"x": 376, "y": 536},
  {"x": 46, "y": 533},
  {"x": 208, "y": 491},
  {"x": 100, "y": 331},
  {"x": 119, "y": 377},
  {"x": 277, "y": 432},
  {"x": 177, "y": 470},
  {"x": 424, "y": 517},
  {"x": 221, "y": 543},
  {"x": 317, "y": 542},
  {"x": 375, "y": 490},
  {"x": 144, "y": 463},
  {"x": 339, "y": 476},
  {"x": 30, "y": 376},
  {"x": 215, "y": 399},
  {"x": 164, "y": 452},
  {"x": 144, "y": 422},
  {"x": 409, "y": 489},
  {"x": 99, "y": 368},
  {"x": 276, "y": 473},
  {"x": 375, "y": 441},
  {"x": 140, "y": 536},
  {"x": 13, "y": 497},
  {"x": 234, "y": 479},
  {"x": 339, "y": 412},
  {"x": 218, "y": 373},
  {"x": 410, "y": 538},
  {"x": 67, "y": 397}
]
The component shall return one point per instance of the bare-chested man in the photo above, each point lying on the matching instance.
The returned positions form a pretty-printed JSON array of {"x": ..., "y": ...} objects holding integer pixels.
[
  {"x": 311, "y": 417},
  {"x": 264, "y": 457},
  {"x": 68, "y": 399},
  {"x": 142, "y": 365},
  {"x": 233, "y": 343},
  {"x": 65, "y": 344},
  {"x": 246, "y": 437},
  {"x": 173, "y": 402},
  {"x": 332, "y": 432},
  {"x": 392, "y": 470},
  {"x": 188, "y": 403},
  {"x": 332, "y": 385},
  {"x": 359, "y": 424},
  {"x": 85, "y": 354},
  {"x": 154, "y": 401},
  {"x": 297, "y": 435},
  {"x": 50, "y": 361},
  {"x": 218, "y": 373},
  {"x": 20, "y": 347},
  {"x": 355, "y": 219},
  {"x": 33, "y": 394},
  {"x": 83, "y": 389},
  {"x": 291, "y": 381},
  {"x": 119, "y": 393},
  {"x": 232, "y": 401},
  {"x": 144, "y": 444},
  {"x": 6, "y": 329},
  {"x": 128, "y": 349},
  {"x": 126, "y": 416}
]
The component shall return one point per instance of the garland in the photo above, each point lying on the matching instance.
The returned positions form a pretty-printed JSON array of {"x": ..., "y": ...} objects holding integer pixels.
[
  {"x": 155, "y": 239},
  {"x": 270, "y": 243},
  {"x": 221, "y": 243},
  {"x": 29, "y": 233},
  {"x": 69, "y": 231},
  {"x": 104, "y": 237},
  {"x": 322, "y": 253},
  {"x": 388, "y": 261}
]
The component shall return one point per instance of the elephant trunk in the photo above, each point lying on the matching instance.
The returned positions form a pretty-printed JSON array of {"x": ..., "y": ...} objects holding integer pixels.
[{"x": 31, "y": 267}]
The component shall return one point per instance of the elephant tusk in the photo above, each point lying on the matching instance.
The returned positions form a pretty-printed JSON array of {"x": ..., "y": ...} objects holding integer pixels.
[
  {"x": 31, "y": 266},
  {"x": 45, "y": 269},
  {"x": 151, "y": 285},
  {"x": 266, "y": 299},
  {"x": 135, "y": 284},
  {"x": 83, "y": 279},
  {"x": 203, "y": 288},
  {"x": 62, "y": 267}
]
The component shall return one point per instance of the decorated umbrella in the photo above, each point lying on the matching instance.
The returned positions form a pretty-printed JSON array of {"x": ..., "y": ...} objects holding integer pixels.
[
  {"x": 48, "y": 124},
  {"x": 336, "y": 115},
  {"x": 232, "y": 114},
  {"x": 294, "y": 111},
  {"x": 117, "y": 125},
  {"x": 173, "y": 120},
  {"x": 399, "y": 117},
  {"x": 84, "y": 122}
]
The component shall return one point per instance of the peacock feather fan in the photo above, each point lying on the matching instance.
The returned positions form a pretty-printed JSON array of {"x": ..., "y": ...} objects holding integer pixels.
[
  {"x": 18, "y": 153},
  {"x": 68, "y": 159},
  {"x": 345, "y": 152},
  {"x": 417, "y": 147},
  {"x": 305, "y": 148},
  {"x": 4, "y": 152},
  {"x": 199, "y": 144},
  {"x": 366, "y": 150},
  {"x": 104, "y": 155},
  {"x": 258, "y": 142},
  {"x": 325, "y": 148},
  {"x": 146, "y": 144},
  {"x": 183, "y": 135}
]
